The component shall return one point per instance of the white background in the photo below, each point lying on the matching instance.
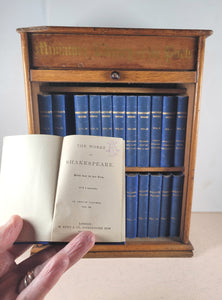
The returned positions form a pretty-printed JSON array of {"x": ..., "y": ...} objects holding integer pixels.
[{"x": 189, "y": 14}]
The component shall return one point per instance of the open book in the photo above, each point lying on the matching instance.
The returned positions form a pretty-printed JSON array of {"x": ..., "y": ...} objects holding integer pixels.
[{"x": 62, "y": 186}]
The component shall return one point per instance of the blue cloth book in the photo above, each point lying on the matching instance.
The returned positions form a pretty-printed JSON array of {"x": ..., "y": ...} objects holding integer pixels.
[
  {"x": 131, "y": 130},
  {"x": 168, "y": 131},
  {"x": 165, "y": 205},
  {"x": 176, "y": 204},
  {"x": 181, "y": 124},
  {"x": 143, "y": 137},
  {"x": 131, "y": 204},
  {"x": 45, "y": 114},
  {"x": 94, "y": 115},
  {"x": 119, "y": 116},
  {"x": 81, "y": 114},
  {"x": 143, "y": 201},
  {"x": 156, "y": 130},
  {"x": 106, "y": 115},
  {"x": 63, "y": 115},
  {"x": 154, "y": 205}
]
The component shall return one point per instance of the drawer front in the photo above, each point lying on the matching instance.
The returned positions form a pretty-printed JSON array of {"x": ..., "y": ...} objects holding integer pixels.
[{"x": 126, "y": 52}]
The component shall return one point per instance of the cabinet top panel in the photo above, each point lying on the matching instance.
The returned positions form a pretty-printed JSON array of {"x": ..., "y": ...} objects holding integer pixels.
[
  {"x": 112, "y": 48},
  {"x": 122, "y": 31}
]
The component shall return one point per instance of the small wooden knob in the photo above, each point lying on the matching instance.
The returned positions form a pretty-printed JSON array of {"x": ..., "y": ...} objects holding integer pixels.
[{"x": 115, "y": 75}]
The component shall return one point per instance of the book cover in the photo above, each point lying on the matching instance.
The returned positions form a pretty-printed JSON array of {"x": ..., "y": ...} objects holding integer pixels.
[
  {"x": 176, "y": 204},
  {"x": 168, "y": 131},
  {"x": 81, "y": 114},
  {"x": 131, "y": 130},
  {"x": 143, "y": 137},
  {"x": 166, "y": 195},
  {"x": 154, "y": 205},
  {"x": 119, "y": 126},
  {"x": 156, "y": 130},
  {"x": 67, "y": 185},
  {"x": 106, "y": 115},
  {"x": 143, "y": 201},
  {"x": 45, "y": 114},
  {"x": 63, "y": 115},
  {"x": 181, "y": 124},
  {"x": 131, "y": 204},
  {"x": 94, "y": 115}
]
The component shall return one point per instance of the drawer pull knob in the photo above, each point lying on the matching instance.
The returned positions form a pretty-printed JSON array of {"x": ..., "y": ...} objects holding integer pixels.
[{"x": 115, "y": 75}]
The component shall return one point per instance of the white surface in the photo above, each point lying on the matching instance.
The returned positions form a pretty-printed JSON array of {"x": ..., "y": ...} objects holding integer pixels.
[
  {"x": 154, "y": 14},
  {"x": 199, "y": 277}
]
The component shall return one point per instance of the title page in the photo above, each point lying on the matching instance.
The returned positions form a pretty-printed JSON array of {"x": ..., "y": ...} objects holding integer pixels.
[{"x": 90, "y": 191}]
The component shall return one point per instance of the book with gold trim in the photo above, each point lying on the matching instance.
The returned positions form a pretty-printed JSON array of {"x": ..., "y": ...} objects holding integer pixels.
[
  {"x": 143, "y": 137},
  {"x": 168, "y": 131},
  {"x": 81, "y": 114},
  {"x": 181, "y": 124},
  {"x": 131, "y": 130},
  {"x": 119, "y": 112},
  {"x": 94, "y": 115},
  {"x": 131, "y": 204}
]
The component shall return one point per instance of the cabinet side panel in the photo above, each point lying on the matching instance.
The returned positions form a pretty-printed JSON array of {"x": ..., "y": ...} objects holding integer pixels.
[
  {"x": 194, "y": 137},
  {"x": 28, "y": 93}
]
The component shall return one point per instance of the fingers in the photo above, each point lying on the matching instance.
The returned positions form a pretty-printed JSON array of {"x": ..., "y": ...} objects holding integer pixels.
[
  {"x": 48, "y": 274},
  {"x": 9, "y": 232}
]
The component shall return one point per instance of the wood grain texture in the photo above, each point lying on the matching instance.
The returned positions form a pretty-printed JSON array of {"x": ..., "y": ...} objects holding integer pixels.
[
  {"x": 96, "y": 76},
  {"x": 117, "y": 31},
  {"x": 132, "y": 52}
]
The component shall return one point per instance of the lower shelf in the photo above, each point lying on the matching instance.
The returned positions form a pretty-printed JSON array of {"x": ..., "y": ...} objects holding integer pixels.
[{"x": 159, "y": 247}]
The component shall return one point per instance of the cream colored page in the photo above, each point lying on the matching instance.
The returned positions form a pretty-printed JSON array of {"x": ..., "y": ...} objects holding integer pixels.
[
  {"x": 90, "y": 189},
  {"x": 28, "y": 181}
]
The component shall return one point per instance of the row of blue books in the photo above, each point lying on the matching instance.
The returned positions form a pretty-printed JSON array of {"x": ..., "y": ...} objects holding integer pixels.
[
  {"x": 153, "y": 204},
  {"x": 153, "y": 126}
]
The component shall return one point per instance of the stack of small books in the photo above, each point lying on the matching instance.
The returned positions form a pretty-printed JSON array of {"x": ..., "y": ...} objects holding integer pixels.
[{"x": 153, "y": 126}]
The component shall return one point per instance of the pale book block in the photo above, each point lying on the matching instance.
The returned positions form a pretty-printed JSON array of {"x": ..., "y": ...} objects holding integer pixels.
[{"x": 89, "y": 194}]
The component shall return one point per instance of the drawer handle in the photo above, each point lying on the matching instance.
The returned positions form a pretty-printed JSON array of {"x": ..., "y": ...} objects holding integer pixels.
[{"x": 115, "y": 75}]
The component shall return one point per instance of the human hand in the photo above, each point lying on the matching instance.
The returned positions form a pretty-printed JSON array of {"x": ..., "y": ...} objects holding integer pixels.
[{"x": 46, "y": 266}]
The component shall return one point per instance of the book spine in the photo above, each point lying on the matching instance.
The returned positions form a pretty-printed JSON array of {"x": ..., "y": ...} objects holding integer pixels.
[
  {"x": 143, "y": 137},
  {"x": 106, "y": 115},
  {"x": 168, "y": 131},
  {"x": 94, "y": 115},
  {"x": 143, "y": 202},
  {"x": 61, "y": 115},
  {"x": 70, "y": 115},
  {"x": 181, "y": 123},
  {"x": 156, "y": 130},
  {"x": 81, "y": 114},
  {"x": 131, "y": 205},
  {"x": 176, "y": 204},
  {"x": 131, "y": 130},
  {"x": 45, "y": 114},
  {"x": 165, "y": 205},
  {"x": 154, "y": 205},
  {"x": 119, "y": 116}
]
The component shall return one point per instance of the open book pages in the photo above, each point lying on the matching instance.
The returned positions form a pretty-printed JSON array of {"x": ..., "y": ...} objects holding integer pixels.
[{"x": 62, "y": 186}]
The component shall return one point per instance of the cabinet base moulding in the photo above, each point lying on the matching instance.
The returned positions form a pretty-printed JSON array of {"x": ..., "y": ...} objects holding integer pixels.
[{"x": 132, "y": 249}]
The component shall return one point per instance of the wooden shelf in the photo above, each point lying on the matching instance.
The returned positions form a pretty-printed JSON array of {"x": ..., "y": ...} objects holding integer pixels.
[
  {"x": 154, "y": 169},
  {"x": 110, "y": 90}
]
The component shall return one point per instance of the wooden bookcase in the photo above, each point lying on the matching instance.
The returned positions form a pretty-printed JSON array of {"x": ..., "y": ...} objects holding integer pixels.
[{"x": 113, "y": 60}]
